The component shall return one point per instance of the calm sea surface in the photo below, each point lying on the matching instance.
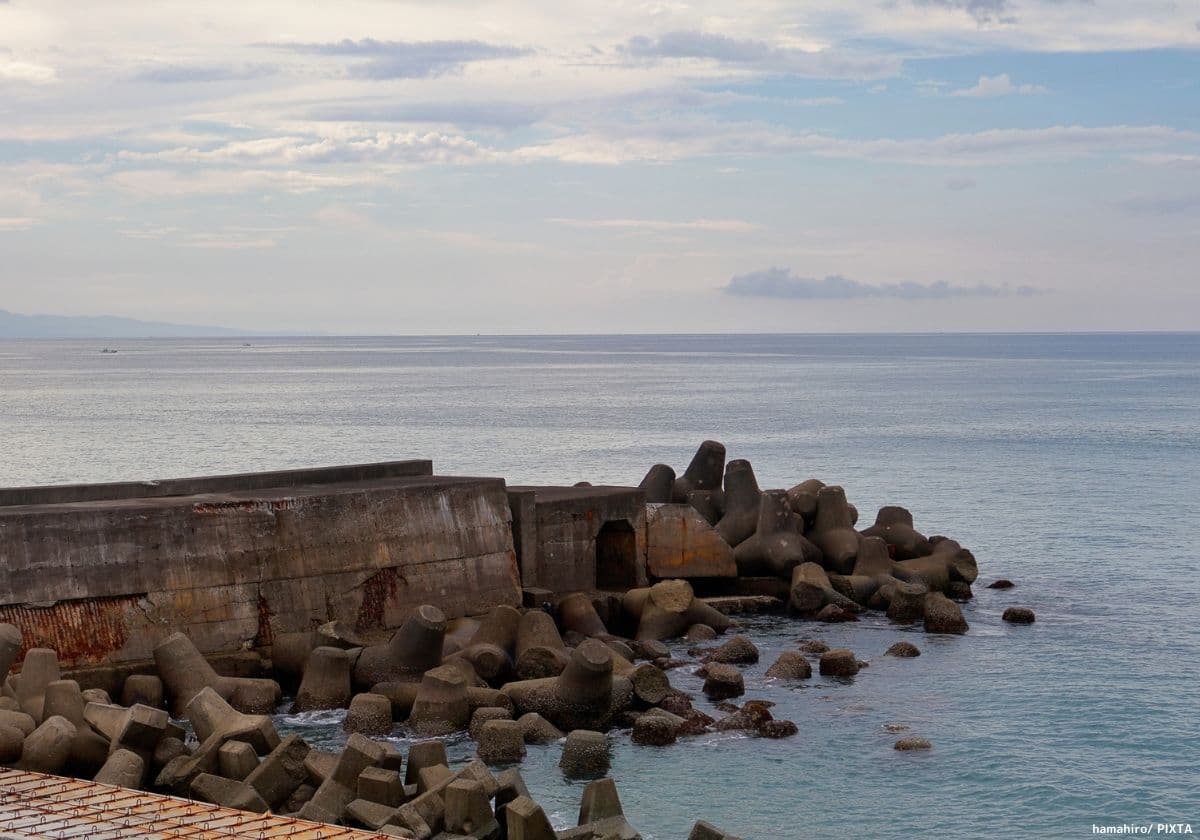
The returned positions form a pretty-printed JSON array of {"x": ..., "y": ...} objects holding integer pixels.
[{"x": 1070, "y": 464}]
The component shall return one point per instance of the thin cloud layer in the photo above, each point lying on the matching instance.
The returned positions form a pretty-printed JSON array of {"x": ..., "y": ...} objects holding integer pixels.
[
  {"x": 407, "y": 59},
  {"x": 782, "y": 284}
]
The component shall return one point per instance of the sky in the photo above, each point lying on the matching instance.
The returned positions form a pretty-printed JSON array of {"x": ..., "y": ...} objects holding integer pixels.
[{"x": 475, "y": 167}]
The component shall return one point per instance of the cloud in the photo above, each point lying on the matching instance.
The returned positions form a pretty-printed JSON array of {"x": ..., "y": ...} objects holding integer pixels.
[
  {"x": 505, "y": 115},
  {"x": 12, "y": 223},
  {"x": 991, "y": 86},
  {"x": 758, "y": 55},
  {"x": 664, "y": 139},
  {"x": 781, "y": 284},
  {"x": 708, "y": 225},
  {"x": 960, "y": 184},
  {"x": 21, "y": 71},
  {"x": 984, "y": 11},
  {"x": 1162, "y": 205},
  {"x": 186, "y": 73},
  {"x": 381, "y": 147},
  {"x": 407, "y": 59}
]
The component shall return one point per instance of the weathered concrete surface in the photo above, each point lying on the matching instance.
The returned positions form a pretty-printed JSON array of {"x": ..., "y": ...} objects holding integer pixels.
[
  {"x": 65, "y": 493},
  {"x": 104, "y": 581},
  {"x": 564, "y": 530},
  {"x": 681, "y": 544}
]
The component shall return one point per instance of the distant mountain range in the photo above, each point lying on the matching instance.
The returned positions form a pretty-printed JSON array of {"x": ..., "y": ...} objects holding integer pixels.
[{"x": 14, "y": 325}]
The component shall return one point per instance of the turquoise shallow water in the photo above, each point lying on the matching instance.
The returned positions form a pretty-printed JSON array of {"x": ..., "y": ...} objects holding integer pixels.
[{"x": 1067, "y": 463}]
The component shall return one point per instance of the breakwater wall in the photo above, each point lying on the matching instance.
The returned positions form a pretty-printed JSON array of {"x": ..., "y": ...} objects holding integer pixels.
[{"x": 101, "y": 573}]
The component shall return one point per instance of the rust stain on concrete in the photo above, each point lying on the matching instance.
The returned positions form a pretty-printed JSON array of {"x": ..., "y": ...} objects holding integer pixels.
[
  {"x": 82, "y": 631},
  {"x": 377, "y": 590}
]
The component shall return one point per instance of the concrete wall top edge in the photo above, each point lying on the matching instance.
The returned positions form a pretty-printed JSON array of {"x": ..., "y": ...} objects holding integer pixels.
[
  {"x": 269, "y": 496},
  {"x": 111, "y": 491}
]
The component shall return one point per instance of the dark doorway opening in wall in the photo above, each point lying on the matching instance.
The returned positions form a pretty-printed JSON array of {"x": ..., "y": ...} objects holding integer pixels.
[{"x": 616, "y": 556}]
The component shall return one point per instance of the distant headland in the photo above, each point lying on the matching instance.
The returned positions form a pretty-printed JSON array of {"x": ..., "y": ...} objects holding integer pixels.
[{"x": 16, "y": 325}]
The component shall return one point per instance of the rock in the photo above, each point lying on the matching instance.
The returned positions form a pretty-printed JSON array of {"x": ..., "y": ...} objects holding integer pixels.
[
  {"x": 813, "y": 645},
  {"x": 913, "y": 744},
  {"x": 700, "y": 633},
  {"x": 501, "y": 742},
  {"x": 723, "y": 681},
  {"x": 585, "y": 755},
  {"x": 839, "y": 662},
  {"x": 776, "y": 729},
  {"x": 326, "y": 683},
  {"x": 1002, "y": 583},
  {"x": 1019, "y": 615},
  {"x": 833, "y": 614},
  {"x": 370, "y": 714},
  {"x": 738, "y": 650},
  {"x": 943, "y": 615},
  {"x": 654, "y": 730},
  {"x": 537, "y": 730},
  {"x": 791, "y": 665},
  {"x": 903, "y": 650}
]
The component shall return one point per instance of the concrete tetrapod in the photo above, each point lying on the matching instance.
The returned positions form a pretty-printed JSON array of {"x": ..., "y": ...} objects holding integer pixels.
[
  {"x": 894, "y": 525},
  {"x": 586, "y": 695},
  {"x": 833, "y": 530},
  {"x": 777, "y": 545},
  {"x": 326, "y": 682},
  {"x": 184, "y": 671},
  {"x": 811, "y": 590},
  {"x": 703, "y": 473},
  {"x": 441, "y": 705},
  {"x": 659, "y": 484},
  {"x": 540, "y": 650},
  {"x": 577, "y": 614},
  {"x": 741, "y": 516},
  {"x": 491, "y": 649},
  {"x": 413, "y": 649}
]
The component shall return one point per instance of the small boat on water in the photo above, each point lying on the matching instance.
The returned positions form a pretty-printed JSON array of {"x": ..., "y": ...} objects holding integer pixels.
[{"x": 108, "y": 350}]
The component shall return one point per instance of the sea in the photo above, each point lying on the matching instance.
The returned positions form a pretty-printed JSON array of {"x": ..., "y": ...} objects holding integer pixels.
[{"x": 1069, "y": 464}]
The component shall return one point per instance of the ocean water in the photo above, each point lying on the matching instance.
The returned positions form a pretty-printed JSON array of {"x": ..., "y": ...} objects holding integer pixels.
[{"x": 1068, "y": 463}]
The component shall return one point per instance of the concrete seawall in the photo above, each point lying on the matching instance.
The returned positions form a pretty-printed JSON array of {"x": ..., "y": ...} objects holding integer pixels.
[{"x": 102, "y": 580}]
